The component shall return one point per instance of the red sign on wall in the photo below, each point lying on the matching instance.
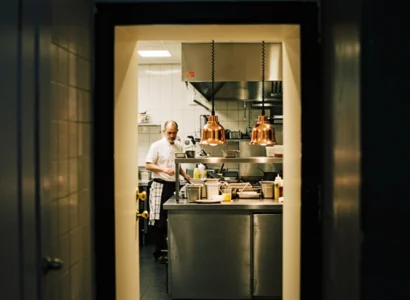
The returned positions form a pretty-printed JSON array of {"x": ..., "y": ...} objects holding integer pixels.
[{"x": 190, "y": 74}]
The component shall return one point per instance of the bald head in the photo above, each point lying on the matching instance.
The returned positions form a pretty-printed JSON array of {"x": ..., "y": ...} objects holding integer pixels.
[
  {"x": 170, "y": 131},
  {"x": 170, "y": 122}
]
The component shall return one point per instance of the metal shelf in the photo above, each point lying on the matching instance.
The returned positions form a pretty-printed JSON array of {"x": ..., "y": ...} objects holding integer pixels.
[{"x": 216, "y": 160}]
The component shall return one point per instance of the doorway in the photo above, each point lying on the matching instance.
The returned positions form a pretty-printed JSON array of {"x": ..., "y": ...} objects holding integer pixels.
[{"x": 125, "y": 105}]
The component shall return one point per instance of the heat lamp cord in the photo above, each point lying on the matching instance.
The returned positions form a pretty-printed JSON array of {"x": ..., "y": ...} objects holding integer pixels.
[
  {"x": 213, "y": 75},
  {"x": 263, "y": 78}
]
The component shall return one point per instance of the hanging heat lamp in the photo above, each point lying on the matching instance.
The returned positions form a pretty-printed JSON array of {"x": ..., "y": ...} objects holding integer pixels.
[
  {"x": 213, "y": 133},
  {"x": 263, "y": 132}
]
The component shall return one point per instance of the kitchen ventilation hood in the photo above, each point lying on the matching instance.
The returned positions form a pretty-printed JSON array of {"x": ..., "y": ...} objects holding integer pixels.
[{"x": 237, "y": 71}]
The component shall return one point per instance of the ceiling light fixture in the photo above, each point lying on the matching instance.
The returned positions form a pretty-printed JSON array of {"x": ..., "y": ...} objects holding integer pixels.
[
  {"x": 263, "y": 132},
  {"x": 154, "y": 53},
  {"x": 213, "y": 133}
]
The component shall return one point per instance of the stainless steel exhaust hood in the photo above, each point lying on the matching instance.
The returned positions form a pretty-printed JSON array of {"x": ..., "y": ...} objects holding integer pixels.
[{"x": 237, "y": 71}]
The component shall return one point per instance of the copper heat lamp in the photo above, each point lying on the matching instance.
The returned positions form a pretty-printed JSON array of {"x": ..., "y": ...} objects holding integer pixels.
[
  {"x": 213, "y": 133},
  {"x": 263, "y": 132}
]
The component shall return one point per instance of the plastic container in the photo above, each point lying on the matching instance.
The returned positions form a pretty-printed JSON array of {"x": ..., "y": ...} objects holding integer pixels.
[
  {"x": 267, "y": 188},
  {"x": 200, "y": 181},
  {"x": 278, "y": 150},
  {"x": 212, "y": 189},
  {"x": 226, "y": 193},
  {"x": 193, "y": 192},
  {"x": 270, "y": 150}
]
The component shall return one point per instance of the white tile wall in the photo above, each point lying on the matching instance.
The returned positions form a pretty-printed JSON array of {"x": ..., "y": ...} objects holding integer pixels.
[
  {"x": 71, "y": 123},
  {"x": 163, "y": 95},
  {"x": 147, "y": 134}
]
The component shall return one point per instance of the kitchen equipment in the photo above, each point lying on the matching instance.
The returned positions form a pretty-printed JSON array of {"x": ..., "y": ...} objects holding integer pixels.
[
  {"x": 143, "y": 117},
  {"x": 217, "y": 199},
  {"x": 278, "y": 150},
  {"x": 204, "y": 153},
  {"x": 235, "y": 135},
  {"x": 230, "y": 176},
  {"x": 200, "y": 181},
  {"x": 213, "y": 180},
  {"x": 179, "y": 155},
  {"x": 193, "y": 192},
  {"x": 230, "y": 153},
  {"x": 267, "y": 175},
  {"x": 248, "y": 195},
  {"x": 189, "y": 143},
  {"x": 231, "y": 85},
  {"x": 145, "y": 175},
  {"x": 192, "y": 139},
  {"x": 226, "y": 191},
  {"x": 190, "y": 153},
  {"x": 212, "y": 189},
  {"x": 267, "y": 188},
  {"x": 270, "y": 151}
]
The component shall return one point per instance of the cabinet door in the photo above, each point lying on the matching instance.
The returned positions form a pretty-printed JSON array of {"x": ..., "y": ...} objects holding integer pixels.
[
  {"x": 209, "y": 255},
  {"x": 267, "y": 255}
]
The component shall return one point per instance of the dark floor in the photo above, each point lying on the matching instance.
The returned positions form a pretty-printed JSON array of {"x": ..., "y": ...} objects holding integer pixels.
[{"x": 152, "y": 276}]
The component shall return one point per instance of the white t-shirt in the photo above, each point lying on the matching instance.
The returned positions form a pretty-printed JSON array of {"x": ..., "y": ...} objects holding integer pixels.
[{"x": 162, "y": 153}]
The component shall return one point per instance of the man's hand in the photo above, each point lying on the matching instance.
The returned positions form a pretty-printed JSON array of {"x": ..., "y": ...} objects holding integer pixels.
[
  {"x": 187, "y": 176},
  {"x": 169, "y": 171}
]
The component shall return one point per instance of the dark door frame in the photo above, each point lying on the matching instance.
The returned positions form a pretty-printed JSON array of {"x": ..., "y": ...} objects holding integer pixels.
[{"x": 190, "y": 13}]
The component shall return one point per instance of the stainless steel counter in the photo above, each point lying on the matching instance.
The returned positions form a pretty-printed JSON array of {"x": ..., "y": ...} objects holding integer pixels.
[
  {"x": 229, "y": 250},
  {"x": 254, "y": 205}
]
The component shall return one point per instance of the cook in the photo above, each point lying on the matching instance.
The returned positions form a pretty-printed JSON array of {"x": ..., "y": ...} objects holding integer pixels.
[{"x": 160, "y": 160}]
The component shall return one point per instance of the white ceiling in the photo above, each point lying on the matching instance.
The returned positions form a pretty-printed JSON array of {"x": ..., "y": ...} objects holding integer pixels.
[{"x": 174, "y": 47}]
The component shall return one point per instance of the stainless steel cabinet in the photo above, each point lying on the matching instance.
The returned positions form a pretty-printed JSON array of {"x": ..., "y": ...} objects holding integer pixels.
[
  {"x": 267, "y": 255},
  {"x": 209, "y": 255}
]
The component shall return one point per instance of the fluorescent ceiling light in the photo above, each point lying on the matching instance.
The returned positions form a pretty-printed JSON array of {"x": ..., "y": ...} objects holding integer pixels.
[{"x": 154, "y": 53}]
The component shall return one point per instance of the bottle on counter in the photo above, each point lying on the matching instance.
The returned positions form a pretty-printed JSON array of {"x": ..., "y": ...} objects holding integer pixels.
[
  {"x": 197, "y": 173},
  {"x": 202, "y": 171},
  {"x": 277, "y": 182},
  {"x": 281, "y": 188}
]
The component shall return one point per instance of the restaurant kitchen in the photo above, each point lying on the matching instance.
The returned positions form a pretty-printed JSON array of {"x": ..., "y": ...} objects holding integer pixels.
[
  {"x": 238, "y": 102},
  {"x": 182, "y": 88}
]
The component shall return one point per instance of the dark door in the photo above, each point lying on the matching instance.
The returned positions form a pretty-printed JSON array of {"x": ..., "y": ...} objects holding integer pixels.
[{"x": 211, "y": 12}]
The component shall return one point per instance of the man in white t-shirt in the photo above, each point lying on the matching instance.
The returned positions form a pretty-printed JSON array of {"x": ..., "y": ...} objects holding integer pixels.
[{"x": 160, "y": 161}]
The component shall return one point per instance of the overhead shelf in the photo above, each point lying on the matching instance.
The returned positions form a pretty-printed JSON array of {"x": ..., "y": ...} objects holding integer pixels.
[{"x": 215, "y": 160}]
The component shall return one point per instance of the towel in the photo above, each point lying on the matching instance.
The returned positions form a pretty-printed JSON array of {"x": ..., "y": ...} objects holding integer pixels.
[{"x": 155, "y": 194}]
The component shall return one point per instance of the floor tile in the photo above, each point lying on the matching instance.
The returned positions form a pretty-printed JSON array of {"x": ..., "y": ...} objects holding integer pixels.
[{"x": 152, "y": 276}]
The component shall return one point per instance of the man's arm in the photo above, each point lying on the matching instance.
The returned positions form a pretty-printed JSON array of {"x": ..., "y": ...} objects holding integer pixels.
[
  {"x": 183, "y": 173},
  {"x": 157, "y": 169}
]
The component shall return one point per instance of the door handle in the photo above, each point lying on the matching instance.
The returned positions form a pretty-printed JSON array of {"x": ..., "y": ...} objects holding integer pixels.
[
  {"x": 52, "y": 264},
  {"x": 143, "y": 215},
  {"x": 140, "y": 196}
]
